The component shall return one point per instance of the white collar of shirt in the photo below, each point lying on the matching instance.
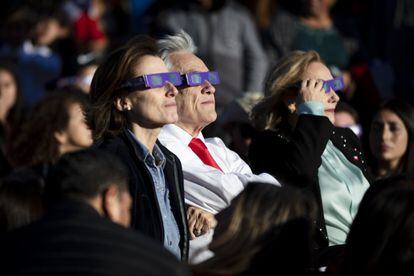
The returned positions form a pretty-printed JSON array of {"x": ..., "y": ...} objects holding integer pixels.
[{"x": 180, "y": 133}]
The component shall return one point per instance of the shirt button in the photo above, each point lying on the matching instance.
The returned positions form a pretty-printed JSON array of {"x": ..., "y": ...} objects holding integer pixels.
[{"x": 170, "y": 243}]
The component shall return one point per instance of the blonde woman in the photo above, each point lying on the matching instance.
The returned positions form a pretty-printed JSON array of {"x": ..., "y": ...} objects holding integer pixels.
[{"x": 299, "y": 144}]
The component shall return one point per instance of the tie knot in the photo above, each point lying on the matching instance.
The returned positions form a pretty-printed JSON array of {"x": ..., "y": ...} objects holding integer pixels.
[
  {"x": 198, "y": 143},
  {"x": 201, "y": 150}
]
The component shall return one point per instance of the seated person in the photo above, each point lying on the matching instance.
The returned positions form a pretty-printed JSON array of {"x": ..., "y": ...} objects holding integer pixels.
[
  {"x": 213, "y": 174},
  {"x": 266, "y": 230},
  {"x": 83, "y": 232}
]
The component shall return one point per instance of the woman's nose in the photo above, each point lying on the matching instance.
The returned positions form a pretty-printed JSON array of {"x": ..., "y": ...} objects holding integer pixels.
[{"x": 171, "y": 89}]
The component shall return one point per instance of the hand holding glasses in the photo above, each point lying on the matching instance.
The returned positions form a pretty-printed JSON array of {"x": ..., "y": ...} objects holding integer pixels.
[{"x": 336, "y": 84}]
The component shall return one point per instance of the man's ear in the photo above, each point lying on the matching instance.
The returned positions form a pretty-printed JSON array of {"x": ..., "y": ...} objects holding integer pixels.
[
  {"x": 122, "y": 104},
  {"x": 111, "y": 203},
  {"x": 289, "y": 100}
]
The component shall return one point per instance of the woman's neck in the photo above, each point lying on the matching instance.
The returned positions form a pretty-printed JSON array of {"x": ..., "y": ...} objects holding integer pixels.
[
  {"x": 146, "y": 136},
  {"x": 386, "y": 168}
]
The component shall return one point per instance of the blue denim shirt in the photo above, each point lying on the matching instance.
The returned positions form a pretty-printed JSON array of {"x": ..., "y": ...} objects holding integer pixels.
[{"x": 155, "y": 164}]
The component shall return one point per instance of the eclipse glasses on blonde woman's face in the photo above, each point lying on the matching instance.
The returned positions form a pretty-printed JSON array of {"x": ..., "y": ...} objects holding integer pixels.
[
  {"x": 336, "y": 84},
  {"x": 160, "y": 79}
]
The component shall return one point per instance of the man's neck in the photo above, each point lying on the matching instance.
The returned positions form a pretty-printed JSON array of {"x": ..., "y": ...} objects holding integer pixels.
[
  {"x": 147, "y": 137},
  {"x": 192, "y": 130}
]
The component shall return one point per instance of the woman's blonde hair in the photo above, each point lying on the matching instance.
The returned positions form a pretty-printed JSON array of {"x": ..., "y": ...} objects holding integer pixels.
[
  {"x": 271, "y": 110},
  {"x": 243, "y": 226}
]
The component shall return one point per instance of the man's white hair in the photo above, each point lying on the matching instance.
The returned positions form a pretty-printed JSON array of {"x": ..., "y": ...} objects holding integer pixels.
[{"x": 180, "y": 41}]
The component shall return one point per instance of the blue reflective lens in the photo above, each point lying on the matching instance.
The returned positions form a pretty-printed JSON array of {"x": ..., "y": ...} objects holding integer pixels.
[
  {"x": 155, "y": 80},
  {"x": 196, "y": 79}
]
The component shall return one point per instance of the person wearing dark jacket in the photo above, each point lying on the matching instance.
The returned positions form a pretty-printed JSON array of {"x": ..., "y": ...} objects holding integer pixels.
[
  {"x": 84, "y": 229},
  {"x": 300, "y": 145},
  {"x": 133, "y": 96}
]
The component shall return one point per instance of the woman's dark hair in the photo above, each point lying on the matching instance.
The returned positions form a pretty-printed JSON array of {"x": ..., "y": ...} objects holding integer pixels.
[
  {"x": 16, "y": 112},
  {"x": 20, "y": 199},
  {"x": 405, "y": 112},
  {"x": 104, "y": 119},
  {"x": 255, "y": 221},
  {"x": 381, "y": 238},
  {"x": 36, "y": 143}
]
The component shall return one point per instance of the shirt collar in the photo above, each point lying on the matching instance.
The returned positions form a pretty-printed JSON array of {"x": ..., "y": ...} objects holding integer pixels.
[
  {"x": 157, "y": 156},
  {"x": 180, "y": 133}
]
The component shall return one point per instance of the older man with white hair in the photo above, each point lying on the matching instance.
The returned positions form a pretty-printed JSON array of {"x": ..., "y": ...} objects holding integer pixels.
[{"x": 213, "y": 174}]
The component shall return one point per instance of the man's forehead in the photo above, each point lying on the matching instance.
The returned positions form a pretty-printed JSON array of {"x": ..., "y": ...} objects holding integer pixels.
[{"x": 187, "y": 62}]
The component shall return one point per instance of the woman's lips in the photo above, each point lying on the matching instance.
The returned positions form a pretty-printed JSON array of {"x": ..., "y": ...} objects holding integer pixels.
[
  {"x": 384, "y": 147},
  {"x": 330, "y": 110}
]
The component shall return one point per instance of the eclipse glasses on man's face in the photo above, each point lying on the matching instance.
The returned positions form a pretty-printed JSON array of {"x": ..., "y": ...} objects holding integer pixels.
[
  {"x": 336, "y": 84},
  {"x": 179, "y": 81}
]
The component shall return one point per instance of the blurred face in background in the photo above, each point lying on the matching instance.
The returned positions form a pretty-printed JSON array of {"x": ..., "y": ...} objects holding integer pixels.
[
  {"x": 388, "y": 137},
  {"x": 8, "y": 93},
  {"x": 77, "y": 134},
  {"x": 47, "y": 31}
]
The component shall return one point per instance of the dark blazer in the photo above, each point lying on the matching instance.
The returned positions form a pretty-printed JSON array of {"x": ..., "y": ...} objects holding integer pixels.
[
  {"x": 146, "y": 215},
  {"x": 73, "y": 239},
  {"x": 294, "y": 157}
]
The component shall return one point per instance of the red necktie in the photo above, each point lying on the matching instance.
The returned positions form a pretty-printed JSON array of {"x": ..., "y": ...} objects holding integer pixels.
[{"x": 202, "y": 152}]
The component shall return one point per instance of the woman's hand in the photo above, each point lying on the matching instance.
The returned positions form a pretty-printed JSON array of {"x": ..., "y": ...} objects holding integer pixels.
[
  {"x": 199, "y": 221},
  {"x": 312, "y": 90}
]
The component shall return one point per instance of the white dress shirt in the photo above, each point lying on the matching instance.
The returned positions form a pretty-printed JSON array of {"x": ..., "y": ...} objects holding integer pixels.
[{"x": 207, "y": 187}]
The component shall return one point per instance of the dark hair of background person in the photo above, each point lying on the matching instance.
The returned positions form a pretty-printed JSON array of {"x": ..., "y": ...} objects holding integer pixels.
[
  {"x": 20, "y": 199},
  {"x": 104, "y": 119},
  {"x": 9, "y": 129},
  {"x": 381, "y": 238},
  {"x": 83, "y": 175},
  {"x": 16, "y": 113},
  {"x": 251, "y": 233},
  {"x": 21, "y": 19},
  {"x": 37, "y": 144},
  {"x": 405, "y": 112}
]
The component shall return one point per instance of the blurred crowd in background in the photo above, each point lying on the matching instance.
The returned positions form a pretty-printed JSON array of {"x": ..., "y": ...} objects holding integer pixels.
[{"x": 50, "y": 50}]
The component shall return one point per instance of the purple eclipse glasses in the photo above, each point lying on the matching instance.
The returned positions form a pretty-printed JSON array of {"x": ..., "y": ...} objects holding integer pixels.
[
  {"x": 152, "y": 81},
  {"x": 198, "y": 78},
  {"x": 159, "y": 80},
  {"x": 336, "y": 84}
]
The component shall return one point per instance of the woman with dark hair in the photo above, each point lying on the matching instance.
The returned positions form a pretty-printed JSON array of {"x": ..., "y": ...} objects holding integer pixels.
[
  {"x": 55, "y": 126},
  {"x": 391, "y": 139},
  {"x": 381, "y": 239},
  {"x": 266, "y": 230},
  {"x": 11, "y": 113},
  {"x": 299, "y": 144},
  {"x": 133, "y": 96}
]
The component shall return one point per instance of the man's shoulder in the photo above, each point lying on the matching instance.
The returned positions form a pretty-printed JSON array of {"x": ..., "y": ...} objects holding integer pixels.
[{"x": 96, "y": 241}]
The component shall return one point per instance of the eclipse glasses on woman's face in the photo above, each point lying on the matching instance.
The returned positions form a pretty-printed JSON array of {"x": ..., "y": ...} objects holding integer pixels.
[
  {"x": 336, "y": 84},
  {"x": 179, "y": 81}
]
